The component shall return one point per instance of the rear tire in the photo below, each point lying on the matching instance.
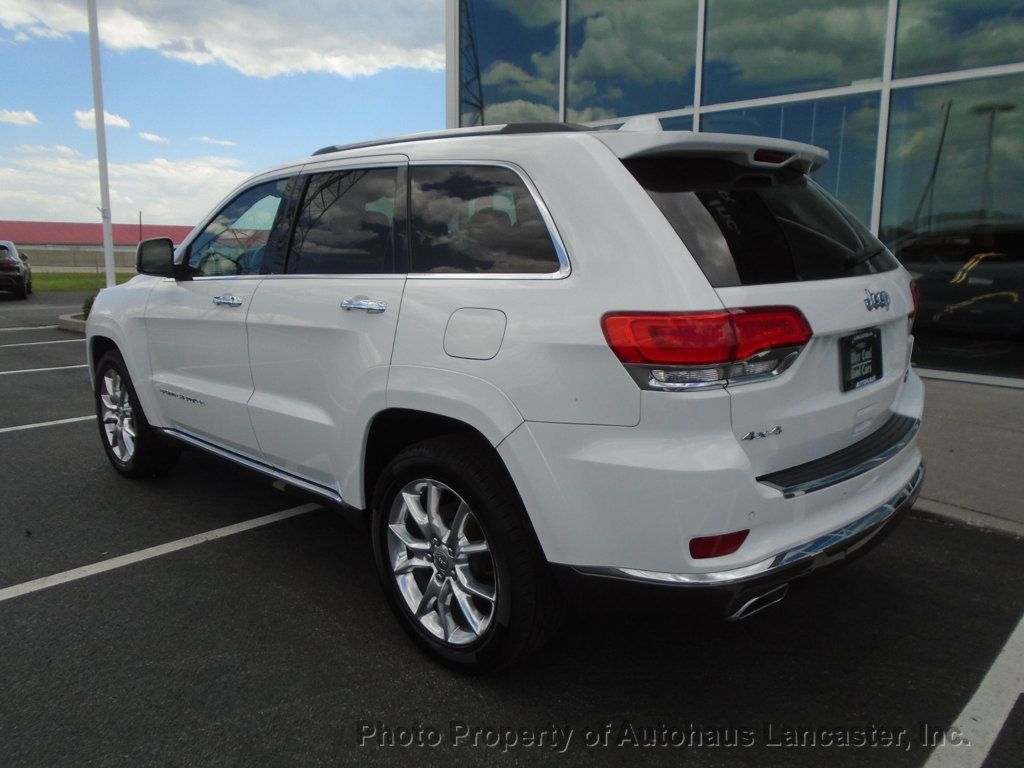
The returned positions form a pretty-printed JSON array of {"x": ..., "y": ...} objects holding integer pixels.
[
  {"x": 21, "y": 292},
  {"x": 133, "y": 447},
  {"x": 457, "y": 558}
]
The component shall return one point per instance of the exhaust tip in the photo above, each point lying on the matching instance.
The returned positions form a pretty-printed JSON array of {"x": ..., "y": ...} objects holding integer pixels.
[{"x": 758, "y": 602}]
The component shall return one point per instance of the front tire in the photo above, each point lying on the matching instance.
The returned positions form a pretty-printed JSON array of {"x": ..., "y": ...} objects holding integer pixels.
[
  {"x": 133, "y": 447},
  {"x": 457, "y": 558}
]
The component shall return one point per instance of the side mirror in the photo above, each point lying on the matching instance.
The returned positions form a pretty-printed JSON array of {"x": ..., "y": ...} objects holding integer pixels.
[
  {"x": 155, "y": 257},
  {"x": 24, "y": 257}
]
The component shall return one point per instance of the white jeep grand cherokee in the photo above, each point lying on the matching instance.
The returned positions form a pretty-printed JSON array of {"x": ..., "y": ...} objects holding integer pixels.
[{"x": 535, "y": 351}]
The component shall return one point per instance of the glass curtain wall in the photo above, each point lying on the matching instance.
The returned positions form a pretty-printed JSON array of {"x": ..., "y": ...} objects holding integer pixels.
[{"x": 939, "y": 179}]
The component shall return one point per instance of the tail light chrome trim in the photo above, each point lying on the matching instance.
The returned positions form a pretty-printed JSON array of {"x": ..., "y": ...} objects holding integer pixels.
[{"x": 666, "y": 351}]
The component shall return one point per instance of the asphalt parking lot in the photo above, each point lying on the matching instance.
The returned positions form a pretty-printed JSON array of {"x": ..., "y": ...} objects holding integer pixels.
[{"x": 273, "y": 645}]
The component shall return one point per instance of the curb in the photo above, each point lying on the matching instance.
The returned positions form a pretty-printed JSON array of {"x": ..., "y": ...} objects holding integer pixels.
[
  {"x": 73, "y": 322},
  {"x": 970, "y": 517}
]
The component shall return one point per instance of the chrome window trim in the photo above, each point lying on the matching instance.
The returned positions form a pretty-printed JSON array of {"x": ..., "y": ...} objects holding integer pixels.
[
  {"x": 304, "y": 276},
  {"x": 565, "y": 267}
]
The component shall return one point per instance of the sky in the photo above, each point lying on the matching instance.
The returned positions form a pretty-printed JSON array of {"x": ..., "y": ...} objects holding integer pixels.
[{"x": 201, "y": 95}]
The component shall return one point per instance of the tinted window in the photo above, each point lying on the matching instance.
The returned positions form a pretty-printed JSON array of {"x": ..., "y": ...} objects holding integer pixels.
[
  {"x": 509, "y": 55},
  {"x": 345, "y": 225},
  {"x": 234, "y": 243},
  {"x": 747, "y": 226},
  {"x": 953, "y": 213},
  {"x": 477, "y": 219},
  {"x": 629, "y": 58},
  {"x": 757, "y": 48},
  {"x": 846, "y": 126},
  {"x": 942, "y": 35}
]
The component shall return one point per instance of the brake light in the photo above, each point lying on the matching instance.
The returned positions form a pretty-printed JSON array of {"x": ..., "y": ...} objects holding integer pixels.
[
  {"x": 773, "y": 156},
  {"x": 915, "y": 296},
  {"x": 706, "y": 348},
  {"x": 715, "y": 546}
]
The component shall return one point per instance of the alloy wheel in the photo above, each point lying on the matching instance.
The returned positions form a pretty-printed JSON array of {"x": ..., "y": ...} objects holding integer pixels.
[
  {"x": 118, "y": 418},
  {"x": 441, "y": 562}
]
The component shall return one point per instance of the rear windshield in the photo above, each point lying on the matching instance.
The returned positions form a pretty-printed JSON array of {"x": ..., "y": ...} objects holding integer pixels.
[{"x": 748, "y": 226}]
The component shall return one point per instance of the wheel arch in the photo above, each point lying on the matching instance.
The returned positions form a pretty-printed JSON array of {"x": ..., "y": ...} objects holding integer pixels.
[{"x": 395, "y": 429}]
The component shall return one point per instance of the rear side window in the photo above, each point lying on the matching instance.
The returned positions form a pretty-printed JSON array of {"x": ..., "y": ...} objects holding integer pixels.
[
  {"x": 748, "y": 226},
  {"x": 478, "y": 220},
  {"x": 345, "y": 224}
]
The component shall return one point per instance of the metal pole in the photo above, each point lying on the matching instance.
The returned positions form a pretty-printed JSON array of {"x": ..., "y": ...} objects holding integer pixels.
[{"x": 101, "y": 144}]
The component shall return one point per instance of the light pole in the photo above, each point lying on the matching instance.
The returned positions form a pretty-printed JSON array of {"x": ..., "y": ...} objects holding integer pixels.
[
  {"x": 101, "y": 145},
  {"x": 990, "y": 109}
]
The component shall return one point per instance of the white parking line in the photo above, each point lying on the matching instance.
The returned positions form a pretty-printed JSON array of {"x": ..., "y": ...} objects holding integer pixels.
[
  {"x": 40, "y": 370},
  {"x": 20, "y": 427},
  {"x": 30, "y": 328},
  {"x": 986, "y": 712},
  {"x": 37, "y": 343},
  {"x": 146, "y": 554}
]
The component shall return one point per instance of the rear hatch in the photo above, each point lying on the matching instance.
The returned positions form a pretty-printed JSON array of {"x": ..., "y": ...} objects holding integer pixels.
[{"x": 765, "y": 235}]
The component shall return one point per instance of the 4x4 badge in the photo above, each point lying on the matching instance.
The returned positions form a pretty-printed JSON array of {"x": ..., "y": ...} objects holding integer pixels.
[
  {"x": 762, "y": 434},
  {"x": 876, "y": 299}
]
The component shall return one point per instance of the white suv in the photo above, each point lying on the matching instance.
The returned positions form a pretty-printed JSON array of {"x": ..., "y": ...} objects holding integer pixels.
[{"x": 535, "y": 351}]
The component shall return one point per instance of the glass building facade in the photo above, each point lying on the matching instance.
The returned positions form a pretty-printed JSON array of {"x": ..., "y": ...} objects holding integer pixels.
[{"x": 920, "y": 104}]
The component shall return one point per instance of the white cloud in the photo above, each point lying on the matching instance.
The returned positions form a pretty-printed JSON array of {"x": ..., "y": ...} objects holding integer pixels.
[
  {"x": 264, "y": 39},
  {"x": 218, "y": 142},
  {"x": 153, "y": 137},
  {"x": 58, "y": 187},
  {"x": 86, "y": 118},
  {"x": 41, "y": 149},
  {"x": 18, "y": 117}
]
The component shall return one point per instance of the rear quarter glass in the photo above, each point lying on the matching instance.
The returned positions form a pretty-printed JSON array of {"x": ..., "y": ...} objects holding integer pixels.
[{"x": 753, "y": 226}]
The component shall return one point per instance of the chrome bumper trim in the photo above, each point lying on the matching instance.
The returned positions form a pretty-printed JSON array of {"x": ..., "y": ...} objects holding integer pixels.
[{"x": 864, "y": 527}]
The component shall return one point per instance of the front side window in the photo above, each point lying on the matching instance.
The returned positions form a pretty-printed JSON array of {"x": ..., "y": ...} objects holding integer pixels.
[
  {"x": 346, "y": 224},
  {"x": 477, "y": 219},
  {"x": 235, "y": 241}
]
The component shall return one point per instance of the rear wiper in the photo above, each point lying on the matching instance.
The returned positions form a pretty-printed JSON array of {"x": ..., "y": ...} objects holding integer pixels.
[{"x": 864, "y": 254}]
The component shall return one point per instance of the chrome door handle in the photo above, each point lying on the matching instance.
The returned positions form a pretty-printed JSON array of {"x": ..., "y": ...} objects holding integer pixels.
[
  {"x": 369, "y": 305},
  {"x": 227, "y": 301}
]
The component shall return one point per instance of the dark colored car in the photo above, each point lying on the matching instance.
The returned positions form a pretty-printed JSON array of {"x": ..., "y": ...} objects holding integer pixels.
[
  {"x": 971, "y": 278},
  {"x": 15, "y": 273}
]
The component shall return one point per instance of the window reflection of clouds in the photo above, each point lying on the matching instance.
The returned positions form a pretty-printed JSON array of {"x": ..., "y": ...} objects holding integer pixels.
[
  {"x": 757, "y": 48},
  {"x": 930, "y": 178},
  {"x": 953, "y": 213},
  {"x": 846, "y": 126},
  {"x": 477, "y": 220},
  {"x": 630, "y": 58},
  {"x": 517, "y": 50},
  {"x": 943, "y": 35}
]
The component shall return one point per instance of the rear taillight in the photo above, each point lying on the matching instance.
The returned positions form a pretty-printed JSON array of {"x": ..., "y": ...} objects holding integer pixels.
[
  {"x": 715, "y": 546},
  {"x": 699, "y": 349},
  {"x": 915, "y": 296}
]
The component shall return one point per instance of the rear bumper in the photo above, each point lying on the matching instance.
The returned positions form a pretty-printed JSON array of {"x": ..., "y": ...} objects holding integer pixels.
[
  {"x": 855, "y": 537},
  {"x": 11, "y": 280}
]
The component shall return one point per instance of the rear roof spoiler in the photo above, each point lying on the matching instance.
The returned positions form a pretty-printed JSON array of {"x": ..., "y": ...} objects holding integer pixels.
[{"x": 754, "y": 151}]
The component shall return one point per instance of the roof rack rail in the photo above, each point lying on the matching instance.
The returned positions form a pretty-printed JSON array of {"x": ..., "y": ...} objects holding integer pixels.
[{"x": 508, "y": 128}]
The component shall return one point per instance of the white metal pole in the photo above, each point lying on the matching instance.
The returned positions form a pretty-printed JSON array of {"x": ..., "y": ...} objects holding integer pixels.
[{"x": 101, "y": 144}]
